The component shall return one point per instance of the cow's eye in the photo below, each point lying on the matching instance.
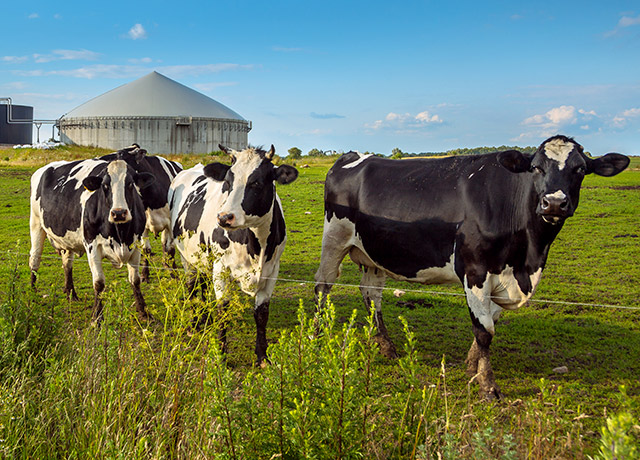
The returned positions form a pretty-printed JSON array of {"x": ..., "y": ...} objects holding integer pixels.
[
  {"x": 537, "y": 169},
  {"x": 581, "y": 170},
  {"x": 254, "y": 184}
]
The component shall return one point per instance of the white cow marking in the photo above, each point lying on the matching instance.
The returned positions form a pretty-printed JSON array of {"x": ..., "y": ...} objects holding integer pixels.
[
  {"x": 558, "y": 150},
  {"x": 358, "y": 161}
]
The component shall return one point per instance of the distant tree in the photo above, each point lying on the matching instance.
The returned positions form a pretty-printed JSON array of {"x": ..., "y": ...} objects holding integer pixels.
[
  {"x": 315, "y": 153},
  {"x": 294, "y": 153},
  {"x": 396, "y": 153}
]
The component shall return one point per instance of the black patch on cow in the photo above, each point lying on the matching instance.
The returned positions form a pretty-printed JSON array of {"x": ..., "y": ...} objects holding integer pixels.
[
  {"x": 227, "y": 184},
  {"x": 259, "y": 190},
  {"x": 97, "y": 208},
  {"x": 403, "y": 248},
  {"x": 246, "y": 237},
  {"x": 277, "y": 231},
  {"x": 60, "y": 197},
  {"x": 220, "y": 238},
  {"x": 154, "y": 196},
  {"x": 194, "y": 207}
]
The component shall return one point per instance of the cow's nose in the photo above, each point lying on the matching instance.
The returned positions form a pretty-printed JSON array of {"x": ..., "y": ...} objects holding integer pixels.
[
  {"x": 555, "y": 205},
  {"x": 119, "y": 215},
  {"x": 226, "y": 219}
]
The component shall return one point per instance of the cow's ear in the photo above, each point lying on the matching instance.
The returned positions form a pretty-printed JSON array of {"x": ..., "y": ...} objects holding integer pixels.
[
  {"x": 144, "y": 179},
  {"x": 515, "y": 161},
  {"x": 139, "y": 154},
  {"x": 286, "y": 174},
  {"x": 608, "y": 165},
  {"x": 92, "y": 183},
  {"x": 216, "y": 171},
  {"x": 224, "y": 149}
]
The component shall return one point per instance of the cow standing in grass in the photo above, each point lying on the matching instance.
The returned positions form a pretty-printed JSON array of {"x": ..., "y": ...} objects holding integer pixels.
[
  {"x": 485, "y": 221},
  {"x": 93, "y": 207},
  {"x": 154, "y": 197},
  {"x": 232, "y": 216}
]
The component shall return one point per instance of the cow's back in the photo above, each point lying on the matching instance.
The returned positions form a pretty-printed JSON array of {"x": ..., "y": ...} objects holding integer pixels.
[{"x": 57, "y": 197}]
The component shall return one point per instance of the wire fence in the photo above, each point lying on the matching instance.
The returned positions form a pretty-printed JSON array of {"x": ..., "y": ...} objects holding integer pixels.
[{"x": 357, "y": 286}]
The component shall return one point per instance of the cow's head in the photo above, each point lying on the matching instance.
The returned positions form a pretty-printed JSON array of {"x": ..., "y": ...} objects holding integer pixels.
[
  {"x": 557, "y": 169},
  {"x": 118, "y": 186},
  {"x": 248, "y": 185}
]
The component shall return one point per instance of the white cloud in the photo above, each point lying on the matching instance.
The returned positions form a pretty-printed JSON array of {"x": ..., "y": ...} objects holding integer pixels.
[
  {"x": 405, "y": 122},
  {"x": 144, "y": 60},
  {"x": 206, "y": 87},
  {"x": 621, "y": 120},
  {"x": 33, "y": 16},
  {"x": 137, "y": 32},
  {"x": 631, "y": 112},
  {"x": 15, "y": 59},
  {"x": 555, "y": 120},
  {"x": 624, "y": 23},
  {"x": 67, "y": 55},
  {"x": 132, "y": 71},
  {"x": 565, "y": 114}
]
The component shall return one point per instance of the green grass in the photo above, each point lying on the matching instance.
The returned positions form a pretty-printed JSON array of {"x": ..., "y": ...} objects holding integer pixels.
[{"x": 70, "y": 390}]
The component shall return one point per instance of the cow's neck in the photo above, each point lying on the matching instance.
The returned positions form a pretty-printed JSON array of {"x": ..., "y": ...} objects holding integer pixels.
[{"x": 261, "y": 232}]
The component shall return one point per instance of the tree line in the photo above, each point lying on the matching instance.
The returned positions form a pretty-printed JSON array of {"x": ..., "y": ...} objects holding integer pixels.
[{"x": 295, "y": 153}]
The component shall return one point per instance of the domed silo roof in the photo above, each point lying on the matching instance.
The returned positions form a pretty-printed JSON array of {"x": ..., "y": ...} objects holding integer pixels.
[{"x": 159, "y": 114}]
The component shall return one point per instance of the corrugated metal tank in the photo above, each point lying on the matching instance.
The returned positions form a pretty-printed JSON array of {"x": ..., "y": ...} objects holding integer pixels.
[
  {"x": 16, "y": 133},
  {"x": 157, "y": 113}
]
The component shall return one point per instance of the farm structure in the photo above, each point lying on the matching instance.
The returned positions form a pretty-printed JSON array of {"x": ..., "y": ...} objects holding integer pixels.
[{"x": 159, "y": 113}]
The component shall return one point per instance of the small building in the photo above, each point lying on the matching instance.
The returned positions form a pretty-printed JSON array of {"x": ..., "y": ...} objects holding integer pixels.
[
  {"x": 16, "y": 123},
  {"x": 157, "y": 113}
]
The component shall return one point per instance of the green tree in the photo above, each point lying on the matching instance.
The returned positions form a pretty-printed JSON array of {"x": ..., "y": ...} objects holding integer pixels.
[
  {"x": 396, "y": 153},
  {"x": 315, "y": 153},
  {"x": 294, "y": 153}
]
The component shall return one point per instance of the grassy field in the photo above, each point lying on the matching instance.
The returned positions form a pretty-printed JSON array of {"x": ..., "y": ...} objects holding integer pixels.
[{"x": 161, "y": 390}]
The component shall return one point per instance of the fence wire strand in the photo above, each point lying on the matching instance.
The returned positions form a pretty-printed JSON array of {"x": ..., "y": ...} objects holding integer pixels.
[{"x": 347, "y": 285}]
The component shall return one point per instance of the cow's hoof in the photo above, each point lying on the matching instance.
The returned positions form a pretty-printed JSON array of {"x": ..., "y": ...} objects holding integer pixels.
[
  {"x": 263, "y": 362},
  {"x": 387, "y": 348},
  {"x": 492, "y": 394}
]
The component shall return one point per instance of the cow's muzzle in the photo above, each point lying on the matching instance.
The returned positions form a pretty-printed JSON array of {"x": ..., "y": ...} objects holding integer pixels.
[
  {"x": 119, "y": 215},
  {"x": 554, "y": 209},
  {"x": 226, "y": 220}
]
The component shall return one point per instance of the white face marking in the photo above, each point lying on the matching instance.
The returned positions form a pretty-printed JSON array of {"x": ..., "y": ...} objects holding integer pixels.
[
  {"x": 117, "y": 170},
  {"x": 358, "y": 161},
  {"x": 559, "y": 151},
  {"x": 560, "y": 195},
  {"x": 247, "y": 161}
]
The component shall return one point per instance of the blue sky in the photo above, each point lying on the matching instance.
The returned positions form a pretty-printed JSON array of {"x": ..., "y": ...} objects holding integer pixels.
[{"x": 359, "y": 75}]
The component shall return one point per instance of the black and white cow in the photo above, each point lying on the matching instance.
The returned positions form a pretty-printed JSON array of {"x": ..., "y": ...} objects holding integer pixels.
[
  {"x": 91, "y": 206},
  {"x": 485, "y": 221},
  {"x": 233, "y": 216},
  {"x": 154, "y": 196}
]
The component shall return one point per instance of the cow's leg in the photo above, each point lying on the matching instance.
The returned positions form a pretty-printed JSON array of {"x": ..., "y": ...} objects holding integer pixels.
[
  {"x": 94, "y": 257},
  {"x": 371, "y": 286},
  {"x": 484, "y": 313},
  {"x": 220, "y": 279},
  {"x": 335, "y": 245},
  {"x": 261, "y": 315},
  {"x": 146, "y": 250},
  {"x": 134, "y": 280},
  {"x": 67, "y": 265},
  {"x": 37, "y": 244},
  {"x": 169, "y": 249}
]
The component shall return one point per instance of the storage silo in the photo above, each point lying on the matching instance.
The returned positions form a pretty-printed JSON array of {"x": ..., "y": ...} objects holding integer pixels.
[
  {"x": 157, "y": 113},
  {"x": 16, "y": 124}
]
